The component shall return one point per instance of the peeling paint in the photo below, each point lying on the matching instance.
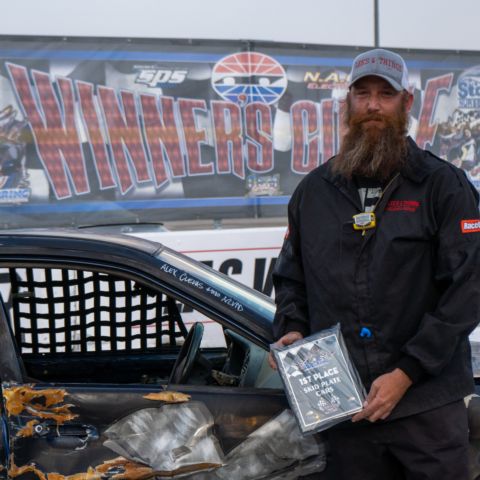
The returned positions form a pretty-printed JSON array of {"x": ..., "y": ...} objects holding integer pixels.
[
  {"x": 137, "y": 471},
  {"x": 28, "y": 429},
  {"x": 25, "y": 398},
  {"x": 168, "y": 397},
  {"x": 116, "y": 469},
  {"x": 90, "y": 475},
  {"x": 15, "y": 471},
  {"x": 125, "y": 469}
]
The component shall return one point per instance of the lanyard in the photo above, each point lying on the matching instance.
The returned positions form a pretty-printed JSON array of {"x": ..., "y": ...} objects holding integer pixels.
[{"x": 367, "y": 220}]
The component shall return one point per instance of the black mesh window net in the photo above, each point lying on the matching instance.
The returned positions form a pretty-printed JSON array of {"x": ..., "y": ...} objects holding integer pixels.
[{"x": 68, "y": 310}]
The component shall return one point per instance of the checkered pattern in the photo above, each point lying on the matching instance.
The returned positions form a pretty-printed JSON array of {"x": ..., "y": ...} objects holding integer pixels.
[
  {"x": 258, "y": 119},
  {"x": 124, "y": 131},
  {"x": 328, "y": 131},
  {"x": 65, "y": 310},
  {"x": 162, "y": 137},
  {"x": 55, "y": 130},
  {"x": 305, "y": 150},
  {"x": 193, "y": 137},
  {"x": 104, "y": 170},
  {"x": 229, "y": 145},
  {"x": 426, "y": 129}
]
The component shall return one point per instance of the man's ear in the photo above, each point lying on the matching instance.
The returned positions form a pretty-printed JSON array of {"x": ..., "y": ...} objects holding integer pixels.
[{"x": 409, "y": 102}]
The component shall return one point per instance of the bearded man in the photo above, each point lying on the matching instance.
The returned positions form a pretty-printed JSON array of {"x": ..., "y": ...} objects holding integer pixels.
[{"x": 385, "y": 239}]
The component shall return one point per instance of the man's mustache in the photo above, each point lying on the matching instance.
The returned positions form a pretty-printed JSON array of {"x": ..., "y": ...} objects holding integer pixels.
[{"x": 372, "y": 117}]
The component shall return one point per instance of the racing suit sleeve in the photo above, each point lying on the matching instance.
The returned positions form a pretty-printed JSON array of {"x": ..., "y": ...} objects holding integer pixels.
[
  {"x": 457, "y": 275},
  {"x": 288, "y": 280}
]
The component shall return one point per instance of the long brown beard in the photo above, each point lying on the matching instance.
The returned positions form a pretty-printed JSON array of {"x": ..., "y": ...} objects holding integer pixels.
[{"x": 369, "y": 150}]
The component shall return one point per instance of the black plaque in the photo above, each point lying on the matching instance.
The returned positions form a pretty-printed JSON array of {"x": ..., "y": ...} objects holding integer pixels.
[{"x": 321, "y": 382}]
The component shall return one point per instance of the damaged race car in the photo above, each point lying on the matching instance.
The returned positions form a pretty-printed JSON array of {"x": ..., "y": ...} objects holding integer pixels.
[{"x": 122, "y": 359}]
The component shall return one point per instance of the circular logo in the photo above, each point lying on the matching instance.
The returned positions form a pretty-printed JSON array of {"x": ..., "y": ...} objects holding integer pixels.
[{"x": 248, "y": 77}]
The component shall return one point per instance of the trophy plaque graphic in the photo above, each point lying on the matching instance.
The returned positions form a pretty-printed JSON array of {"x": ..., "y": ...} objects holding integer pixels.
[{"x": 322, "y": 384}]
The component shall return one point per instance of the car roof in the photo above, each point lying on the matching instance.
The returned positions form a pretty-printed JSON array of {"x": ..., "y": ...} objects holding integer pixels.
[{"x": 75, "y": 235}]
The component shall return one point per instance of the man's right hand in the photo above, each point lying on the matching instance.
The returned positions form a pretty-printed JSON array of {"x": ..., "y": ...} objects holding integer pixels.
[{"x": 287, "y": 339}]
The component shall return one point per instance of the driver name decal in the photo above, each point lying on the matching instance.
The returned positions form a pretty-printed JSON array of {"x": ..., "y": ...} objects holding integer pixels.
[{"x": 185, "y": 277}]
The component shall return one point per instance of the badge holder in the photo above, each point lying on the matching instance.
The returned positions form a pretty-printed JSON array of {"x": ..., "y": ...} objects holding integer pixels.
[{"x": 364, "y": 221}]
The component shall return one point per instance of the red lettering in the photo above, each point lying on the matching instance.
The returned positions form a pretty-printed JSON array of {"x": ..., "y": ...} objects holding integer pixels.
[
  {"x": 96, "y": 140},
  {"x": 125, "y": 136},
  {"x": 402, "y": 206},
  {"x": 194, "y": 136},
  {"x": 54, "y": 130},
  {"x": 163, "y": 141},
  {"x": 328, "y": 129},
  {"x": 426, "y": 130},
  {"x": 361, "y": 62},
  {"x": 227, "y": 123},
  {"x": 305, "y": 136},
  {"x": 258, "y": 118},
  {"x": 390, "y": 63}
]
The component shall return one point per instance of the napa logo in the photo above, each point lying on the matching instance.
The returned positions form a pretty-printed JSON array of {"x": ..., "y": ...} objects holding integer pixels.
[
  {"x": 469, "y": 89},
  {"x": 248, "y": 77}
]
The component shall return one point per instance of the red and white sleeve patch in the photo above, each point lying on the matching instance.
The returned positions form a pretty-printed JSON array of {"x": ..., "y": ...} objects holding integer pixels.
[{"x": 470, "y": 226}]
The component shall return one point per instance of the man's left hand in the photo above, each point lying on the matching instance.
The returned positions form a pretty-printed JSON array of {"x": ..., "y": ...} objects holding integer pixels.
[{"x": 385, "y": 393}]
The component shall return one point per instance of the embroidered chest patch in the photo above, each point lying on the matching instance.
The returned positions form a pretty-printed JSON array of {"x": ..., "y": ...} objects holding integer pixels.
[{"x": 402, "y": 206}]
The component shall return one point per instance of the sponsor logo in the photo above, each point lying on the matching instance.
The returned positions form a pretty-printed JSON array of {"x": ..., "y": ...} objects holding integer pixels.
[
  {"x": 159, "y": 77},
  {"x": 318, "y": 80},
  {"x": 469, "y": 89},
  {"x": 14, "y": 195},
  {"x": 249, "y": 77},
  {"x": 314, "y": 359},
  {"x": 262, "y": 185},
  {"x": 402, "y": 206},
  {"x": 470, "y": 226}
]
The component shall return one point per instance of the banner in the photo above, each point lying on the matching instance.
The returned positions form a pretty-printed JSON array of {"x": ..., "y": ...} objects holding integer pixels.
[{"x": 106, "y": 130}]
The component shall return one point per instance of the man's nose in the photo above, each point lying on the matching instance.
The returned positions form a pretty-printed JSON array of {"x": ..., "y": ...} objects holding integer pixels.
[{"x": 373, "y": 104}]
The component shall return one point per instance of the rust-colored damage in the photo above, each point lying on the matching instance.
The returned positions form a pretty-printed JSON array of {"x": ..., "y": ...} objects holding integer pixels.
[
  {"x": 117, "y": 469},
  {"x": 27, "y": 430},
  {"x": 25, "y": 399},
  {"x": 168, "y": 397},
  {"x": 132, "y": 470},
  {"x": 15, "y": 471}
]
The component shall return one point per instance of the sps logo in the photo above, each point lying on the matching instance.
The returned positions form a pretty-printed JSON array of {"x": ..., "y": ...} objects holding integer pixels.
[
  {"x": 160, "y": 77},
  {"x": 249, "y": 77}
]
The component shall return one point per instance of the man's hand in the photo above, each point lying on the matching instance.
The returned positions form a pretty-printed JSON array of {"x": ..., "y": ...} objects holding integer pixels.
[
  {"x": 386, "y": 391},
  {"x": 287, "y": 339}
]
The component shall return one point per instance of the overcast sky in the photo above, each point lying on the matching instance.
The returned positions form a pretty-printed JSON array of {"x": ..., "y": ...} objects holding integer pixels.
[{"x": 437, "y": 24}]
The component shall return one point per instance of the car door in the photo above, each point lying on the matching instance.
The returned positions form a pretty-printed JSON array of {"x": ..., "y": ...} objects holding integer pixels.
[{"x": 88, "y": 392}]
